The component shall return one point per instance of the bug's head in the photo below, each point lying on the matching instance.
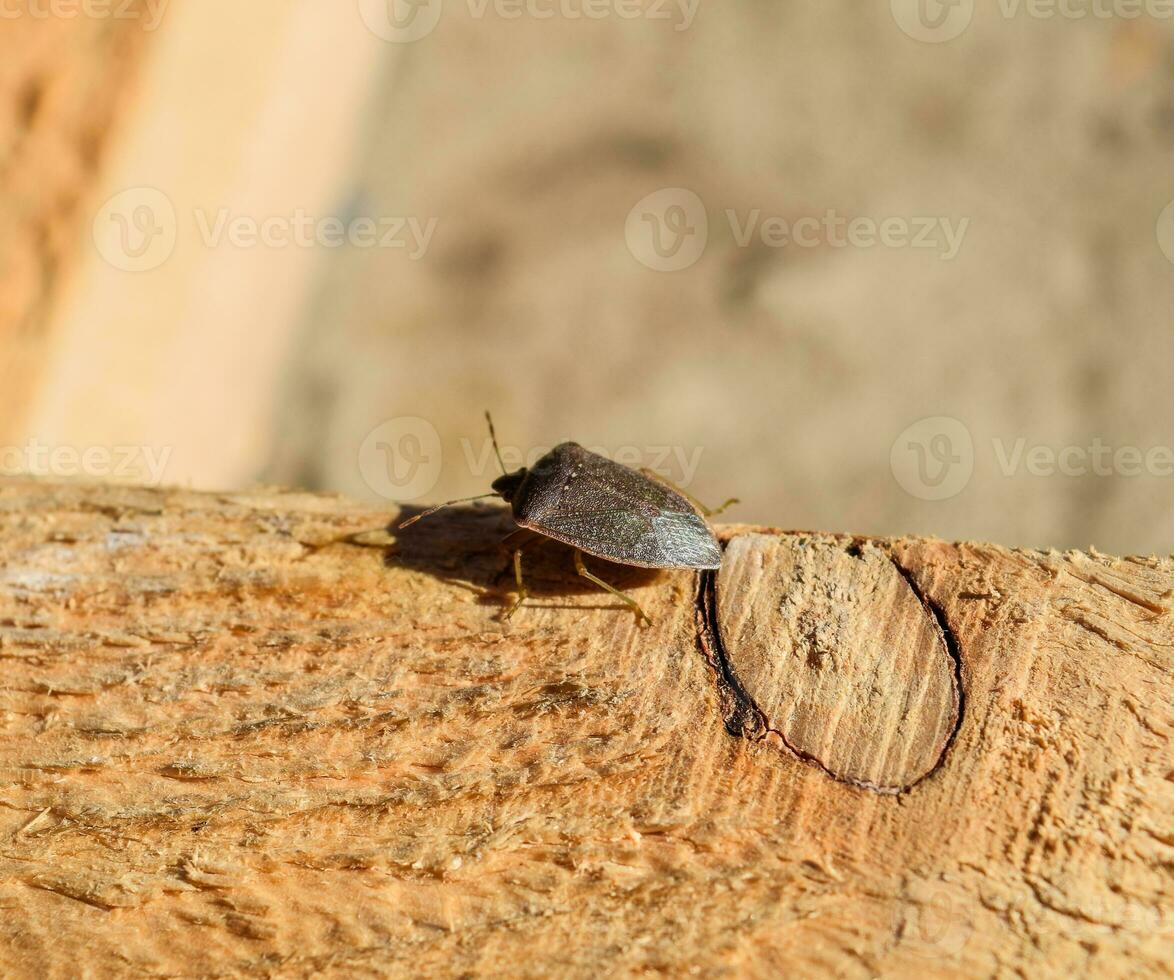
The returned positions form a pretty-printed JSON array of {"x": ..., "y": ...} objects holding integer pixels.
[{"x": 506, "y": 485}]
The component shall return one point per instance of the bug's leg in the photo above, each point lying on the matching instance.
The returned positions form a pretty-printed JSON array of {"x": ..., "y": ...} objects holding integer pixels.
[
  {"x": 516, "y": 535},
  {"x": 522, "y": 593},
  {"x": 714, "y": 511},
  {"x": 707, "y": 511},
  {"x": 582, "y": 570},
  {"x": 515, "y": 542}
]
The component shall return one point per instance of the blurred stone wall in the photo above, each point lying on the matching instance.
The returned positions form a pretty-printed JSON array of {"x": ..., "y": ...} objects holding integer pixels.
[
  {"x": 1043, "y": 146},
  {"x": 885, "y": 268}
]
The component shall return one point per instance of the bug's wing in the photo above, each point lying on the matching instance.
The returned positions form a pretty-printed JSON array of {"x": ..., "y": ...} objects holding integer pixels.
[
  {"x": 613, "y": 512},
  {"x": 668, "y": 540}
]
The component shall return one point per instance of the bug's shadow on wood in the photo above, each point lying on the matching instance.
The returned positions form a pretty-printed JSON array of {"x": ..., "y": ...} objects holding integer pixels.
[{"x": 466, "y": 546}]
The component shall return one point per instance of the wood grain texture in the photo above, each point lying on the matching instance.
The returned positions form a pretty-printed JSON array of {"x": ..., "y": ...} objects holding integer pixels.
[{"x": 230, "y": 742}]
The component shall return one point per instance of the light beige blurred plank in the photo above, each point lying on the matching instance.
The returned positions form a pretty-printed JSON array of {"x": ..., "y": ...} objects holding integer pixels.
[
  {"x": 249, "y": 110},
  {"x": 65, "y": 83}
]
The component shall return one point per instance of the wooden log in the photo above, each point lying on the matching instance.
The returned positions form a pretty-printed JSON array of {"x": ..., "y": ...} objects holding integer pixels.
[{"x": 258, "y": 733}]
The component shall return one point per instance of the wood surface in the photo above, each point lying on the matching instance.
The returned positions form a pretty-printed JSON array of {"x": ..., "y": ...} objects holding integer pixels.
[{"x": 258, "y": 733}]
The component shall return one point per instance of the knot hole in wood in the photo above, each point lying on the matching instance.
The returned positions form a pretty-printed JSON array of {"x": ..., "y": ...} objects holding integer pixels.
[{"x": 825, "y": 644}]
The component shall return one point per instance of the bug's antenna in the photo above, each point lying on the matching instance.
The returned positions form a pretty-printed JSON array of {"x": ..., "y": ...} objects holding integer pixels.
[
  {"x": 493, "y": 436},
  {"x": 432, "y": 510}
]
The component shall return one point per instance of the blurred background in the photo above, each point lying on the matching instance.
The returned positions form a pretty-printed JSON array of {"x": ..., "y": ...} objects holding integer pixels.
[{"x": 894, "y": 267}]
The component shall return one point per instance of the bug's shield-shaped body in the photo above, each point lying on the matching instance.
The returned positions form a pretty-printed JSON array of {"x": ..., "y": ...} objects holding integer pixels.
[{"x": 612, "y": 512}]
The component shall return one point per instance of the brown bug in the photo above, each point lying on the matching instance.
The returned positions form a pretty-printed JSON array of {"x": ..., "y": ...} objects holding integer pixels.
[{"x": 602, "y": 508}]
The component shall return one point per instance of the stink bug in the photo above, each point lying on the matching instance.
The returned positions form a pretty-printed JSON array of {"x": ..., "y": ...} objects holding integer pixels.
[{"x": 602, "y": 508}]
